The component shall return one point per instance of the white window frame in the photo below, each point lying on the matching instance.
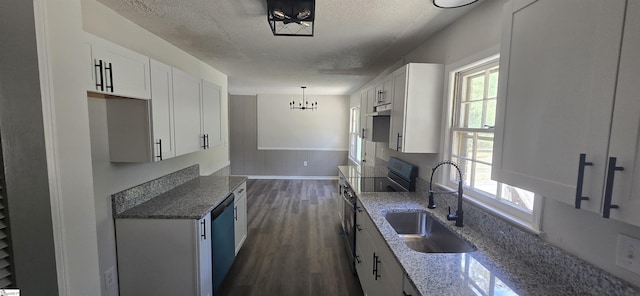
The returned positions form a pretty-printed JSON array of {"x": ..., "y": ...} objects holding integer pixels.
[
  {"x": 527, "y": 221},
  {"x": 355, "y": 154}
]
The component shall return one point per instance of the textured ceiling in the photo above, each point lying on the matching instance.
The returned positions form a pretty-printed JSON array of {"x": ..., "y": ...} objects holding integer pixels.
[{"x": 354, "y": 39}]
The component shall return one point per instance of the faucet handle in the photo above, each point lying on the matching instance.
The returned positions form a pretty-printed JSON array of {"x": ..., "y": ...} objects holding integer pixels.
[{"x": 450, "y": 216}]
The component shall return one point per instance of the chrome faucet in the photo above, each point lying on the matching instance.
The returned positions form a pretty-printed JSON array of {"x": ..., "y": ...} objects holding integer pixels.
[{"x": 458, "y": 216}]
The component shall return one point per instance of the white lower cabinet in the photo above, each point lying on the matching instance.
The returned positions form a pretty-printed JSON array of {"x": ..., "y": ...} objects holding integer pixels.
[
  {"x": 407, "y": 288},
  {"x": 377, "y": 268},
  {"x": 164, "y": 256},
  {"x": 240, "y": 215}
]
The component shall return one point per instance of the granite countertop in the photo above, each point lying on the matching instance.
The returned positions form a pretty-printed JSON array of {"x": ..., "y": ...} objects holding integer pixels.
[
  {"x": 191, "y": 200},
  {"x": 489, "y": 268}
]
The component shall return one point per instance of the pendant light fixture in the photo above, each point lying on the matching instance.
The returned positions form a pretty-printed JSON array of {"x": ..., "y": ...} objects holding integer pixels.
[
  {"x": 452, "y": 3},
  {"x": 291, "y": 17},
  {"x": 304, "y": 105}
]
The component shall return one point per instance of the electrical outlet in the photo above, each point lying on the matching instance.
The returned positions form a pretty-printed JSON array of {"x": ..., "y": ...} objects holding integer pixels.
[
  {"x": 305, "y": 163},
  {"x": 109, "y": 278},
  {"x": 628, "y": 253}
]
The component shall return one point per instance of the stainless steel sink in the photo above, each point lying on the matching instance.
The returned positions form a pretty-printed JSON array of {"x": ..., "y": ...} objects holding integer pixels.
[{"x": 424, "y": 234}]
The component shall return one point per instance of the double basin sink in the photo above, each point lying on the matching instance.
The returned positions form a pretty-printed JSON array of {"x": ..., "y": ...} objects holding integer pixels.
[{"x": 425, "y": 234}]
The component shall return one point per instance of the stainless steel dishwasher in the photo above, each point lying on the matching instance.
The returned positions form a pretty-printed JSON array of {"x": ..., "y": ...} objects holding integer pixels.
[{"x": 223, "y": 240}]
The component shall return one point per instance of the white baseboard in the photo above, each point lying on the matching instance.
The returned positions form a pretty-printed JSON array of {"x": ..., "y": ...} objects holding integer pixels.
[{"x": 294, "y": 177}]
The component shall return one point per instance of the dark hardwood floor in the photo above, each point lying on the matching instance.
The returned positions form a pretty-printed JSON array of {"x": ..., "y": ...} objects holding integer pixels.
[{"x": 293, "y": 245}]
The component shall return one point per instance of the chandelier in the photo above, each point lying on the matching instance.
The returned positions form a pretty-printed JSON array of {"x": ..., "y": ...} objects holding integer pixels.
[
  {"x": 304, "y": 105},
  {"x": 291, "y": 17}
]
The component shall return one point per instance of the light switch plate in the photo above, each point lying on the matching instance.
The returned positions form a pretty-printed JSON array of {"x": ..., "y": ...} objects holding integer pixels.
[{"x": 628, "y": 253}]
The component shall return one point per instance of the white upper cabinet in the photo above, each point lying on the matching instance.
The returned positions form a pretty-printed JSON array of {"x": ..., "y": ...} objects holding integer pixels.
[
  {"x": 558, "y": 69},
  {"x": 162, "y": 110},
  {"x": 625, "y": 128},
  {"x": 384, "y": 91},
  {"x": 142, "y": 130},
  {"x": 118, "y": 71},
  {"x": 417, "y": 105},
  {"x": 211, "y": 114},
  {"x": 187, "y": 113}
]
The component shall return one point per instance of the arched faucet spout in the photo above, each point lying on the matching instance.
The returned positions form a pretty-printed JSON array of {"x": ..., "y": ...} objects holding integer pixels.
[{"x": 458, "y": 216}]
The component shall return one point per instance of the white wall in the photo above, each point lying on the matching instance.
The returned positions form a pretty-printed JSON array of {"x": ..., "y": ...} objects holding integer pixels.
[
  {"x": 325, "y": 128},
  {"x": 110, "y": 177},
  {"x": 66, "y": 128},
  {"x": 584, "y": 234}
]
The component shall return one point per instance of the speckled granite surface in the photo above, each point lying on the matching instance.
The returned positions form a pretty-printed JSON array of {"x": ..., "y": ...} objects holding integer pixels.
[
  {"x": 134, "y": 196},
  {"x": 508, "y": 261},
  {"x": 191, "y": 200}
]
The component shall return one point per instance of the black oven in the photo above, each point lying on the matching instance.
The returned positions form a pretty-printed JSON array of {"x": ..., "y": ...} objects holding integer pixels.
[
  {"x": 401, "y": 177},
  {"x": 349, "y": 222}
]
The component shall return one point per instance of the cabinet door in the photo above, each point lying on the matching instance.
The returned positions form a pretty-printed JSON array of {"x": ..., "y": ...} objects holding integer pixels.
[
  {"x": 211, "y": 114},
  {"x": 396, "y": 129},
  {"x": 126, "y": 73},
  {"x": 379, "y": 99},
  {"x": 625, "y": 138},
  {"x": 90, "y": 70},
  {"x": 162, "y": 111},
  {"x": 187, "y": 115},
  {"x": 363, "y": 114},
  {"x": 371, "y": 100},
  {"x": 558, "y": 66},
  {"x": 240, "y": 217},
  {"x": 386, "y": 93},
  {"x": 205, "y": 272},
  {"x": 407, "y": 288},
  {"x": 368, "y": 153}
]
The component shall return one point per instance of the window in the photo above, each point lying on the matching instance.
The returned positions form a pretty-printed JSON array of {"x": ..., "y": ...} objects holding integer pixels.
[
  {"x": 355, "y": 145},
  {"x": 474, "y": 114}
]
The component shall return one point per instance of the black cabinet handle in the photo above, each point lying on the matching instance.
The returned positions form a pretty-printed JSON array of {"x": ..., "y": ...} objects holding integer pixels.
[
  {"x": 204, "y": 229},
  {"x": 358, "y": 227},
  {"x": 359, "y": 209},
  {"x": 609, "y": 187},
  {"x": 363, "y": 130},
  {"x": 98, "y": 67},
  {"x": 583, "y": 163},
  {"x": 159, "y": 143},
  {"x": 358, "y": 259},
  {"x": 110, "y": 68},
  {"x": 377, "y": 261},
  {"x": 398, "y": 147},
  {"x": 374, "y": 263},
  {"x": 204, "y": 141},
  {"x": 241, "y": 190}
]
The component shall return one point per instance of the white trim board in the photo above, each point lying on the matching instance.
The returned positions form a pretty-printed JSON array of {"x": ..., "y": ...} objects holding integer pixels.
[
  {"x": 261, "y": 177},
  {"x": 303, "y": 149}
]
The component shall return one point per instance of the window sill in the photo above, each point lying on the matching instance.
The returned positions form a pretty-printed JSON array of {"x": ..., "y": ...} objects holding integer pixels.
[{"x": 514, "y": 221}]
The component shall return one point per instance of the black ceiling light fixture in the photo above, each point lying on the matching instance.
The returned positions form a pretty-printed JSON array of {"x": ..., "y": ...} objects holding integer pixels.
[
  {"x": 304, "y": 105},
  {"x": 291, "y": 17},
  {"x": 452, "y": 3}
]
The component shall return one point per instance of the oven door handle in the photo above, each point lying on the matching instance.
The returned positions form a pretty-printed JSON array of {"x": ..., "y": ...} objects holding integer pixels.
[{"x": 348, "y": 201}]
